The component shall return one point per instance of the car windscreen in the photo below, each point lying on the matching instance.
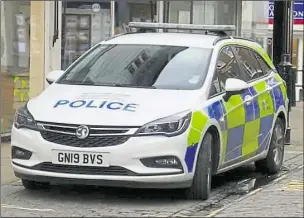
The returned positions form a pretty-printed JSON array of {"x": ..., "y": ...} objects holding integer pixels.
[{"x": 141, "y": 66}]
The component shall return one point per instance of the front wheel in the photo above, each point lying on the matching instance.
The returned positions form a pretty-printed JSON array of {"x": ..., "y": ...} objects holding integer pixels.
[
  {"x": 201, "y": 184},
  {"x": 274, "y": 160}
]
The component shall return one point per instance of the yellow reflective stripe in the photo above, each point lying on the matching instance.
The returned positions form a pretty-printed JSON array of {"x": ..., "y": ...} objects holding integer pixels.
[
  {"x": 199, "y": 120},
  {"x": 235, "y": 111},
  {"x": 265, "y": 99},
  {"x": 282, "y": 86},
  {"x": 251, "y": 137},
  {"x": 198, "y": 123}
]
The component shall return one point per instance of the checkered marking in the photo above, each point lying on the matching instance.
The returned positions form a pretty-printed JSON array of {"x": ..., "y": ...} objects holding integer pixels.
[{"x": 245, "y": 128}]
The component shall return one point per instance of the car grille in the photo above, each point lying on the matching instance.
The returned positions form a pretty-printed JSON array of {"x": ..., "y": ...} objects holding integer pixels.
[
  {"x": 86, "y": 170},
  {"x": 99, "y": 136},
  {"x": 72, "y": 140}
]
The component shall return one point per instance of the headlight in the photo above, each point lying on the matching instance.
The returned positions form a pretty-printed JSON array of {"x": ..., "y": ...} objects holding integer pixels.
[
  {"x": 23, "y": 119},
  {"x": 169, "y": 126}
]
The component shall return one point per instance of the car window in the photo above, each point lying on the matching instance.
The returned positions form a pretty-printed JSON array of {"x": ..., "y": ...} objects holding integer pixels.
[
  {"x": 144, "y": 66},
  {"x": 250, "y": 68},
  {"x": 226, "y": 67},
  {"x": 264, "y": 66}
]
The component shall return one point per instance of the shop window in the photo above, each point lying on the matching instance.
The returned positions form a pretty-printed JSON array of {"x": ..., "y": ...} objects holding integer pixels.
[
  {"x": 133, "y": 11},
  {"x": 15, "y": 59},
  {"x": 214, "y": 12},
  {"x": 254, "y": 20},
  {"x": 84, "y": 24},
  {"x": 179, "y": 12}
]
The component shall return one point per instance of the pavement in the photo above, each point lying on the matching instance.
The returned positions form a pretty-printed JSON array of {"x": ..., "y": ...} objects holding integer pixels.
[
  {"x": 281, "y": 199},
  {"x": 240, "y": 193},
  {"x": 7, "y": 175}
]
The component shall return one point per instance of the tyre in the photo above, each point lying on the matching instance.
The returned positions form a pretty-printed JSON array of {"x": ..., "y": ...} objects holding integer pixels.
[
  {"x": 273, "y": 162},
  {"x": 28, "y": 184},
  {"x": 201, "y": 184}
]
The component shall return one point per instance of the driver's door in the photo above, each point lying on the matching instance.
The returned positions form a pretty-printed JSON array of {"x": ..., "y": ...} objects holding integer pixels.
[{"x": 231, "y": 113}]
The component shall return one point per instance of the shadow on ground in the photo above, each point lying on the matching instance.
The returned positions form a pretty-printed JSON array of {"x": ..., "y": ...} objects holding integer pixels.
[{"x": 237, "y": 180}]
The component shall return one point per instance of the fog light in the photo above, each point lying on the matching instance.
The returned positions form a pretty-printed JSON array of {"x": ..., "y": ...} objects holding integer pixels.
[
  {"x": 20, "y": 153},
  {"x": 162, "y": 162}
]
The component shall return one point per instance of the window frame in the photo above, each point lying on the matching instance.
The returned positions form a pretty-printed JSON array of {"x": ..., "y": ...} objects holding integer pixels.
[
  {"x": 239, "y": 61},
  {"x": 215, "y": 71},
  {"x": 201, "y": 82},
  {"x": 255, "y": 53},
  {"x": 265, "y": 62}
]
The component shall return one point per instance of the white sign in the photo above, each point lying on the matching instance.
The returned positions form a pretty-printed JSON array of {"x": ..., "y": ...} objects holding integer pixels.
[{"x": 96, "y": 7}]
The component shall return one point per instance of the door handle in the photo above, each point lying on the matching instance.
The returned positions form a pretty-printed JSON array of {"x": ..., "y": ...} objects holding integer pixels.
[{"x": 248, "y": 99}]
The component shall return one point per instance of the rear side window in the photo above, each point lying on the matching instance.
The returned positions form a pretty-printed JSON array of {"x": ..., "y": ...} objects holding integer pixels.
[
  {"x": 264, "y": 66},
  {"x": 250, "y": 68}
]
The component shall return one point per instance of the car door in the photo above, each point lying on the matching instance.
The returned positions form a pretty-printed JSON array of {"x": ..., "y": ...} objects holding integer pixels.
[
  {"x": 270, "y": 97},
  {"x": 230, "y": 114},
  {"x": 259, "y": 111}
]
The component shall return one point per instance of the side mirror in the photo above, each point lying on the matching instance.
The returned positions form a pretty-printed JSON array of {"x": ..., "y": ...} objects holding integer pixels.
[
  {"x": 53, "y": 76},
  {"x": 234, "y": 87}
]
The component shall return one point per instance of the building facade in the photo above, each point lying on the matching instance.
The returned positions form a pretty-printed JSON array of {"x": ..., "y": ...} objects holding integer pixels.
[{"x": 41, "y": 36}]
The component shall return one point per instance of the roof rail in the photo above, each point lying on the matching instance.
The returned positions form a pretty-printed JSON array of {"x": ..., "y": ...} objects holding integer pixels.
[
  {"x": 231, "y": 37},
  {"x": 239, "y": 37},
  {"x": 222, "y": 38},
  {"x": 219, "y": 29},
  {"x": 114, "y": 36}
]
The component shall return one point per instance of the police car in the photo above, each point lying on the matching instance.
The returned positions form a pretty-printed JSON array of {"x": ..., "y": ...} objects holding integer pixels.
[{"x": 155, "y": 110}]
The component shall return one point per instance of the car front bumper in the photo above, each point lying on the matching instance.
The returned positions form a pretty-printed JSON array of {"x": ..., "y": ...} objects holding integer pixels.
[{"x": 126, "y": 169}]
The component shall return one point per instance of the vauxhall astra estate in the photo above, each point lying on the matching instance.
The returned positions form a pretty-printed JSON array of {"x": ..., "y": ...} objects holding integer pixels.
[{"x": 161, "y": 110}]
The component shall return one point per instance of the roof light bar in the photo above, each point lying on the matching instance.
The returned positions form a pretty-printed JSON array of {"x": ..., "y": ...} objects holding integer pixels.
[{"x": 177, "y": 26}]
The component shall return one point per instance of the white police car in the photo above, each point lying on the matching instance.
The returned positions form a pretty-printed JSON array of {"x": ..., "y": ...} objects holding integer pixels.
[{"x": 154, "y": 110}]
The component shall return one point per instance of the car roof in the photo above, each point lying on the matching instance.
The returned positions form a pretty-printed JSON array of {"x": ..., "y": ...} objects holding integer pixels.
[{"x": 171, "y": 39}]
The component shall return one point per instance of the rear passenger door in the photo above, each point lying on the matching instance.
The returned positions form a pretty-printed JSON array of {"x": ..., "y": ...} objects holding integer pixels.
[{"x": 259, "y": 114}]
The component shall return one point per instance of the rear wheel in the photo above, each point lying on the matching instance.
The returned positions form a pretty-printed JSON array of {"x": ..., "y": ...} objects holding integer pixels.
[
  {"x": 201, "y": 184},
  {"x": 274, "y": 160},
  {"x": 29, "y": 184}
]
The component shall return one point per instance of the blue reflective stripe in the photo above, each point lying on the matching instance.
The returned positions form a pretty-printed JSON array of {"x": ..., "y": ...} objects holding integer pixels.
[
  {"x": 278, "y": 97},
  {"x": 190, "y": 156},
  {"x": 255, "y": 102},
  {"x": 249, "y": 109},
  {"x": 234, "y": 142},
  {"x": 265, "y": 128},
  {"x": 217, "y": 111}
]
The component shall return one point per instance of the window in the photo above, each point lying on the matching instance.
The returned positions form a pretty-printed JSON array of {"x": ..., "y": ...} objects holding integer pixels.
[
  {"x": 15, "y": 36},
  {"x": 226, "y": 68},
  {"x": 179, "y": 12},
  {"x": 250, "y": 68},
  {"x": 145, "y": 66},
  {"x": 265, "y": 68},
  {"x": 84, "y": 24}
]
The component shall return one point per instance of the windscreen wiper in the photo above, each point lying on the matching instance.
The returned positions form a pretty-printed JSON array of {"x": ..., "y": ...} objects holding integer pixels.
[
  {"x": 91, "y": 83},
  {"x": 134, "y": 86}
]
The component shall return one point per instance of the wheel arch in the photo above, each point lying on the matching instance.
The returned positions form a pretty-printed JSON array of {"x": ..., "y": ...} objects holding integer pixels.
[
  {"x": 282, "y": 114},
  {"x": 214, "y": 129}
]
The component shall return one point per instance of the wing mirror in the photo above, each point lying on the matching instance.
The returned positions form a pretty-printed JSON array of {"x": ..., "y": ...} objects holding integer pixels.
[
  {"x": 234, "y": 87},
  {"x": 54, "y": 76}
]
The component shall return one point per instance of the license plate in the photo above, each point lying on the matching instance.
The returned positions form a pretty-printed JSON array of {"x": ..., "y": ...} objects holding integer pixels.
[{"x": 80, "y": 158}]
